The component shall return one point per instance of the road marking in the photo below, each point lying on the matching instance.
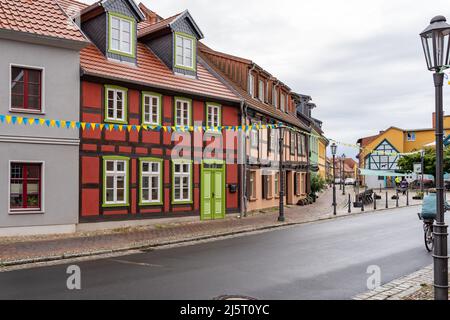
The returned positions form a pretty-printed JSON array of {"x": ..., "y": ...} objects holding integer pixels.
[{"x": 142, "y": 264}]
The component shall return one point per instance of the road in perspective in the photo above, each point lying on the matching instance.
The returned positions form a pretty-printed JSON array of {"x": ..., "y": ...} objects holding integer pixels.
[{"x": 321, "y": 260}]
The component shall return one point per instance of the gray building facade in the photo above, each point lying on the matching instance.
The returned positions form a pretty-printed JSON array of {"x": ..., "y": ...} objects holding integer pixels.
[{"x": 39, "y": 165}]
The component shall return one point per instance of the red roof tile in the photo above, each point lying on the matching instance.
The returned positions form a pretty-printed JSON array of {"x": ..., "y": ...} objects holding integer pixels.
[
  {"x": 71, "y": 5},
  {"x": 254, "y": 103},
  {"x": 40, "y": 17},
  {"x": 153, "y": 72}
]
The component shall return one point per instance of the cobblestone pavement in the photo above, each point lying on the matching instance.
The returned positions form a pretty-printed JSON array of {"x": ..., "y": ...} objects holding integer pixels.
[
  {"x": 416, "y": 286},
  {"x": 399, "y": 288},
  {"x": 54, "y": 247}
]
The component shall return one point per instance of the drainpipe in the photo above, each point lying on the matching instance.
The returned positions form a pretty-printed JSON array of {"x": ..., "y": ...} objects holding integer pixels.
[
  {"x": 244, "y": 116},
  {"x": 243, "y": 172}
]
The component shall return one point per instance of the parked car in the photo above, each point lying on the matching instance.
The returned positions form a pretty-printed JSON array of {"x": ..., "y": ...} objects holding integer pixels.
[
  {"x": 350, "y": 181},
  {"x": 337, "y": 181}
]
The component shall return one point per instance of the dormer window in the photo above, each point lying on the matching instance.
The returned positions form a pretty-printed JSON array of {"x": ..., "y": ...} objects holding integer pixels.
[
  {"x": 261, "y": 90},
  {"x": 185, "y": 51},
  {"x": 275, "y": 97},
  {"x": 121, "y": 34},
  {"x": 283, "y": 102},
  {"x": 251, "y": 85}
]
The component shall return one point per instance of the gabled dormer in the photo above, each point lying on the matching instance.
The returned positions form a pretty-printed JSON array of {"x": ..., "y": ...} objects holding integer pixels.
[
  {"x": 174, "y": 40},
  {"x": 112, "y": 26}
]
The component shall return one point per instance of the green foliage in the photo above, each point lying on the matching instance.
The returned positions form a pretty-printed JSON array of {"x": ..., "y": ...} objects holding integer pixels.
[
  {"x": 406, "y": 163},
  {"x": 317, "y": 183}
]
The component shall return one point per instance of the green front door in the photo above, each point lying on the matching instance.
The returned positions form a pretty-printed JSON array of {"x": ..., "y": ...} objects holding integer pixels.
[{"x": 213, "y": 190}]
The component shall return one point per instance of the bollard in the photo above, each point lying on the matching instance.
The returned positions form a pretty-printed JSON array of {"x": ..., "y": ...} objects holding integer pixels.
[
  {"x": 374, "y": 201},
  {"x": 387, "y": 204},
  {"x": 349, "y": 203},
  {"x": 380, "y": 188},
  {"x": 407, "y": 198},
  {"x": 362, "y": 204},
  {"x": 396, "y": 200}
]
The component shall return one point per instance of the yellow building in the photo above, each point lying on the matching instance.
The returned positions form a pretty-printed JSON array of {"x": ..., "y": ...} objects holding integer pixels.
[
  {"x": 322, "y": 157},
  {"x": 393, "y": 140}
]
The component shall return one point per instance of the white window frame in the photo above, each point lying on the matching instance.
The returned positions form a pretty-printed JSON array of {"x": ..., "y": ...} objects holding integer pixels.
[
  {"x": 251, "y": 85},
  {"x": 211, "y": 111},
  {"x": 182, "y": 174},
  {"x": 27, "y": 211},
  {"x": 184, "y": 38},
  {"x": 121, "y": 21},
  {"x": 17, "y": 110},
  {"x": 261, "y": 90},
  {"x": 283, "y": 102},
  {"x": 116, "y": 174},
  {"x": 151, "y": 96},
  {"x": 275, "y": 97},
  {"x": 411, "y": 136},
  {"x": 124, "y": 106},
  {"x": 151, "y": 174},
  {"x": 183, "y": 121}
]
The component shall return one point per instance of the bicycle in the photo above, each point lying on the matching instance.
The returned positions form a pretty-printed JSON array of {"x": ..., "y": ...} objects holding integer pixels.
[{"x": 428, "y": 234}]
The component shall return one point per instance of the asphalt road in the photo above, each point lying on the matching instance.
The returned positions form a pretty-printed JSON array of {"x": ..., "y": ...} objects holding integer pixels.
[{"x": 323, "y": 260}]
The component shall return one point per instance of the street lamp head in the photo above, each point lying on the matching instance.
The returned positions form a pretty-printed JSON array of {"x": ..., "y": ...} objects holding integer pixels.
[
  {"x": 333, "y": 149},
  {"x": 343, "y": 156},
  {"x": 436, "y": 43}
]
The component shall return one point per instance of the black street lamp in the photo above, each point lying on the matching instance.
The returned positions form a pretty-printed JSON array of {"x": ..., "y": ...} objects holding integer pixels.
[
  {"x": 343, "y": 174},
  {"x": 436, "y": 46},
  {"x": 333, "y": 152}
]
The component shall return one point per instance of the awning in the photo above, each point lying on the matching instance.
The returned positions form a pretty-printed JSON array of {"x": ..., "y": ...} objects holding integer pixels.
[{"x": 380, "y": 173}]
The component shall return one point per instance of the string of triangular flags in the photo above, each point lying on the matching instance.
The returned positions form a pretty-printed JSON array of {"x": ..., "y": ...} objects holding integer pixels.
[
  {"x": 19, "y": 120},
  {"x": 351, "y": 145},
  {"x": 81, "y": 125}
]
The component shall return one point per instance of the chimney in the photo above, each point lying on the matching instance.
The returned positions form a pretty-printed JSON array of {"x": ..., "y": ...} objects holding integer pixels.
[
  {"x": 150, "y": 16},
  {"x": 433, "y": 121}
]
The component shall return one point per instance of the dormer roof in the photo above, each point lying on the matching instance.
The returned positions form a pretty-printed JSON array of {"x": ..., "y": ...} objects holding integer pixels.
[
  {"x": 104, "y": 5},
  {"x": 167, "y": 25}
]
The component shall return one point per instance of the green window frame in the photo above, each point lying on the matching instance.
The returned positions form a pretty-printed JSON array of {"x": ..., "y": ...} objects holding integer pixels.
[
  {"x": 151, "y": 96},
  {"x": 218, "y": 112},
  {"x": 122, "y": 18},
  {"x": 150, "y": 175},
  {"x": 180, "y": 36},
  {"x": 181, "y": 163},
  {"x": 114, "y": 173},
  {"x": 115, "y": 90},
  {"x": 183, "y": 123}
]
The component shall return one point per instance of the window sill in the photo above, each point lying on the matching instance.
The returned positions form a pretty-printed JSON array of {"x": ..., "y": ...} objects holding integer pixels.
[
  {"x": 175, "y": 203},
  {"x": 24, "y": 212},
  {"x": 27, "y": 111},
  {"x": 252, "y": 199},
  {"x": 111, "y": 121},
  {"x": 116, "y": 205},
  {"x": 150, "y": 204}
]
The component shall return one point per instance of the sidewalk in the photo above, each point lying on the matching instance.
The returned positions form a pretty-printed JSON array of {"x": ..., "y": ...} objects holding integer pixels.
[
  {"x": 23, "y": 250},
  {"x": 416, "y": 286}
]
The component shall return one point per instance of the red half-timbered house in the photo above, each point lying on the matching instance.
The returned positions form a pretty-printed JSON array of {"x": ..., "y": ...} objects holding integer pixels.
[{"x": 143, "y": 71}]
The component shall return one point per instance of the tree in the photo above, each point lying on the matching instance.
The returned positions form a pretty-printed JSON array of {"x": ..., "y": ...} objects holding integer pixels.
[
  {"x": 406, "y": 163},
  {"x": 317, "y": 183}
]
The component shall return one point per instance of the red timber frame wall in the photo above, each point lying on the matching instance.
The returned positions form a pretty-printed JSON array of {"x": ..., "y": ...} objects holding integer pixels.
[{"x": 96, "y": 144}]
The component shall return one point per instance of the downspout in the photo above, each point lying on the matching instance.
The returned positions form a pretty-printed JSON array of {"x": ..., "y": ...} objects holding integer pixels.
[
  {"x": 244, "y": 200},
  {"x": 244, "y": 164}
]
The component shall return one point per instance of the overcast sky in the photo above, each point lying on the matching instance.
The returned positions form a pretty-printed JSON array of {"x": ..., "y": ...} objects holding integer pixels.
[{"x": 361, "y": 61}]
